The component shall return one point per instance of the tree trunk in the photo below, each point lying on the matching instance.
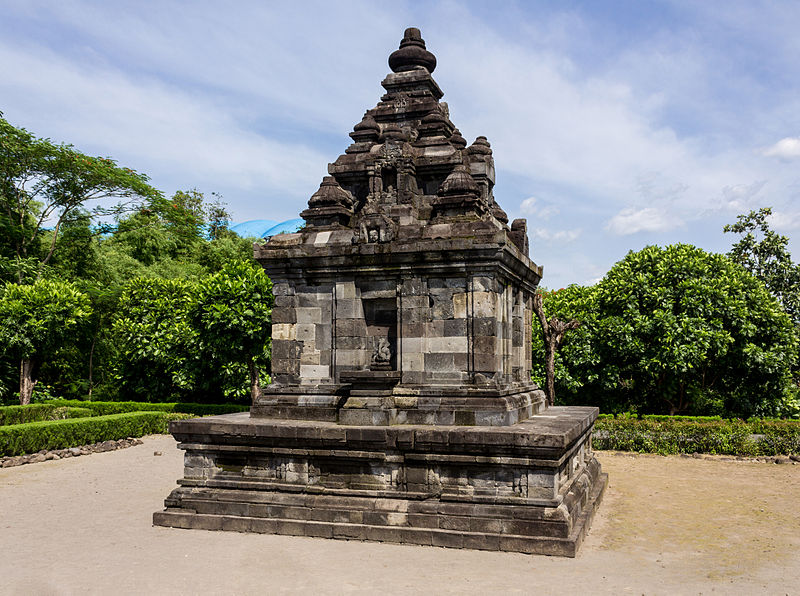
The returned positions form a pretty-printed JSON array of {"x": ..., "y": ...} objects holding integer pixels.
[
  {"x": 553, "y": 334},
  {"x": 550, "y": 369},
  {"x": 91, "y": 365},
  {"x": 26, "y": 381},
  {"x": 255, "y": 381}
]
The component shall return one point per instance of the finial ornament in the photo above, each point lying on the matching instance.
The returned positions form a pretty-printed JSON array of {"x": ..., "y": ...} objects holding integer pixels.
[{"x": 412, "y": 53}]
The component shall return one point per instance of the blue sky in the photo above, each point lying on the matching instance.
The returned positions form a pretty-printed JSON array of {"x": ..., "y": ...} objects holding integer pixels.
[{"x": 614, "y": 124}]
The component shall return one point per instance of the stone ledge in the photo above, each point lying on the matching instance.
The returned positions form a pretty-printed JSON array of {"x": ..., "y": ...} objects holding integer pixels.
[
  {"x": 553, "y": 430},
  {"x": 440, "y": 528}
]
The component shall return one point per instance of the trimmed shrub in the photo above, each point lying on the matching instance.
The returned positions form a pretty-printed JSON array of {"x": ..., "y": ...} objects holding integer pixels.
[
  {"x": 685, "y": 434},
  {"x": 40, "y": 412},
  {"x": 101, "y": 408},
  {"x": 31, "y": 437}
]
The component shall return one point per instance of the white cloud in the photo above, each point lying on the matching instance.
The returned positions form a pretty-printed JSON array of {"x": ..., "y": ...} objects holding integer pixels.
[
  {"x": 785, "y": 220},
  {"x": 171, "y": 134},
  {"x": 742, "y": 197},
  {"x": 649, "y": 219},
  {"x": 533, "y": 207},
  {"x": 528, "y": 206},
  {"x": 786, "y": 149},
  {"x": 561, "y": 236}
]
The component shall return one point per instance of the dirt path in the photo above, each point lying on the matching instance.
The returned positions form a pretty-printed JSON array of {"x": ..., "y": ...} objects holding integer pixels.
[{"x": 667, "y": 526}]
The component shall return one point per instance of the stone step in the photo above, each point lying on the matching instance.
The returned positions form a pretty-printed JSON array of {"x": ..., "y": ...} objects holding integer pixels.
[
  {"x": 461, "y": 523},
  {"x": 346, "y": 531}
]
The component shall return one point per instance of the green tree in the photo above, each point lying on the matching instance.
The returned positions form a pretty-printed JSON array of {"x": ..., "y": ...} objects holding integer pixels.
[
  {"x": 155, "y": 343},
  {"x": 42, "y": 183},
  {"x": 233, "y": 316},
  {"x": 765, "y": 254},
  {"x": 676, "y": 330},
  {"x": 35, "y": 320},
  {"x": 218, "y": 218}
]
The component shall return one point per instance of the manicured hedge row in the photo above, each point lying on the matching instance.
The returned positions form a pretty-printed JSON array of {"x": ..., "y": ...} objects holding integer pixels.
[
  {"x": 40, "y": 412},
  {"x": 31, "y": 437},
  {"x": 668, "y": 435},
  {"x": 102, "y": 408}
]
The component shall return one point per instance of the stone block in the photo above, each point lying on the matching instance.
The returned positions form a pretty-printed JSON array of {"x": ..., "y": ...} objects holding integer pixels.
[
  {"x": 305, "y": 332},
  {"x": 414, "y": 345},
  {"x": 283, "y": 315},
  {"x": 438, "y": 362},
  {"x": 285, "y": 331},
  {"x": 355, "y": 358},
  {"x": 309, "y": 314},
  {"x": 455, "y": 328},
  {"x": 484, "y": 304},
  {"x": 345, "y": 290},
  {"x": 460, "y": 305},
  {"x": 447, "y": 344},
  {"x": 484, "y": 326},
  {"x": 309, "y": 357},
  {"x": 349, "y": 309},
  {"x": 308, "y": 371},
  {"x": 486, "y": 362},
  {"x": 413, "y": 362}
]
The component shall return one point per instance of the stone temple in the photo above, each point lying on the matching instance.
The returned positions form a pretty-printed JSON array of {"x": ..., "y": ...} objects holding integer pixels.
[{"x": 401, "y": 408}]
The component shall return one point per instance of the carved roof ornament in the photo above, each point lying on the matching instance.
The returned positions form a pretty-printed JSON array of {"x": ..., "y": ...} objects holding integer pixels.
[
  {"x": 366, "y": 130},
  {"x": 392, "y": 131},
  {"x": 330, "y": 205},
  {"x": 330, "y": 194},
  {"x": 481, "y": 146},
  {"x": 458, "y": 195},
  {"x": 457, "y": 140},
  {"x": 435, "y": 124},
  {"x": 459, "y": 182},
  {"x": 412, "y": 53}
]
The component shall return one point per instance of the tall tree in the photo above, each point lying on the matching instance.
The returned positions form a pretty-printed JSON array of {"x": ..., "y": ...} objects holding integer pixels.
[
  {"x": 765, "y": 254},
  {"x": 43, "y": 184},
  {"x": 233, "y": 315},
  {"x": 35, "y": 320}
]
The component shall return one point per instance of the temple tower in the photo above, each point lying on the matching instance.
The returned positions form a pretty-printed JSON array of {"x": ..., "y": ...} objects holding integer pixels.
[
  {"x": 406, "y": 298},
  {"x": 401, "y": 408}
]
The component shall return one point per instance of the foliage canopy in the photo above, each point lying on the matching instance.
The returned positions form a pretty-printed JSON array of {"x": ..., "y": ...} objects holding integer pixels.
[{"x": 671, "y": 330}]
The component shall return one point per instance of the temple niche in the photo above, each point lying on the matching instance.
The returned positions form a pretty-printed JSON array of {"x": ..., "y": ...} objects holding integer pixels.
[{"x": 401, "y": 356}]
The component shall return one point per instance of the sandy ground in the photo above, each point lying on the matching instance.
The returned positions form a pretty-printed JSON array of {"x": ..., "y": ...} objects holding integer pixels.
[{"x": 667, "y": 526}]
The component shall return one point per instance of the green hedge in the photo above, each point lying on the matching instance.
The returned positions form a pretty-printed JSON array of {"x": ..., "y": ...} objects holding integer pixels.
[
  {"x": 31, "y": 437},
  {"x": 41, "y": 412},
  {"x": 669, "y": 435},
  {"x": 102, "y": 408}
]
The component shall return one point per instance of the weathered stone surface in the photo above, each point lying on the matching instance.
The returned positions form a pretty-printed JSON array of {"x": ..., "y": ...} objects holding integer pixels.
[
  {"x": 531, "y": 487},
  {"x": 401, "y": 408}
]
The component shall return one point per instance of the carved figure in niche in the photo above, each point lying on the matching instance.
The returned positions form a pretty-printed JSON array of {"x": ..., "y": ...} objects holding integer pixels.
[
  {"x": 382, "y": 355},
  {"x": 376, "y": 228},
  {"x": 390, "y": 193}
]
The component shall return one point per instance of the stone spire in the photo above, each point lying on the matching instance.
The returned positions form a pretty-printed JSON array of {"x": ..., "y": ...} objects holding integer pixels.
[
  {"x": 412, "y": 53},
  {"x": 408, "y": 162}
]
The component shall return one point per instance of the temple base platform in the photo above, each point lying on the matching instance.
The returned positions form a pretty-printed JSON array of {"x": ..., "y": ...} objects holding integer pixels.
[{"x": 531, "y": 487}]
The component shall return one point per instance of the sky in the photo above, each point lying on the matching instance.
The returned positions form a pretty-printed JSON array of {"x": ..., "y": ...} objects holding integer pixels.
[{"x": 614, "y": 125}]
